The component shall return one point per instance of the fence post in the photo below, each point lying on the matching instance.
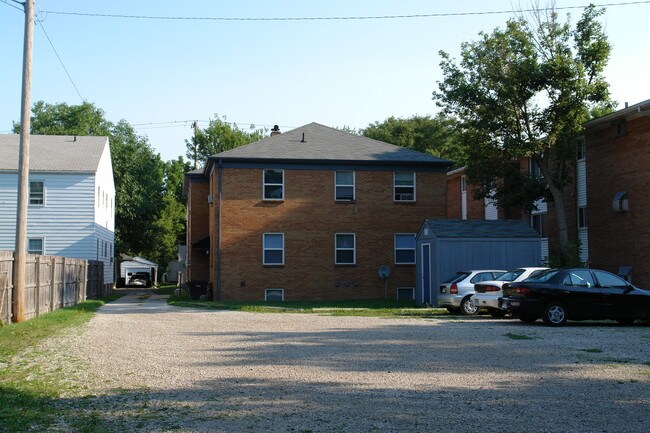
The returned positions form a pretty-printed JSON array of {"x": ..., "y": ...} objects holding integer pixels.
[
  {"x": 84, "y": 280},
  {"x": 37, "y": 286},
  {"x": 63, "y": 283},
  {"x": 52, "y": 283}
]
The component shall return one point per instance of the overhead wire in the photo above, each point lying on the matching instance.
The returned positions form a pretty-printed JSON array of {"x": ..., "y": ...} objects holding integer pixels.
[
  {"x": 40, "y": 23},
  {"x": 14, "y": 6},
  {"x": 334, "y": 18}
]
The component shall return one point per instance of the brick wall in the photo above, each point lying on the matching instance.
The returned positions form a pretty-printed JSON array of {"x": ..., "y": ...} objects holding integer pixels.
[
  {"x": 309, "y": 218},
  {"x": 619, "y": 163},
  {"x": 198, "y": 228},
  {"x": 475, "y": 208}
]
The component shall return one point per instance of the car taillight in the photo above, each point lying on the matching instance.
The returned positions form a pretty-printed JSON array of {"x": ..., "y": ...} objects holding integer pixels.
[
  {"x": 491, "y": 288},
  {"x": 522, "y": 290},
  {"x": 453, "y": 289}
]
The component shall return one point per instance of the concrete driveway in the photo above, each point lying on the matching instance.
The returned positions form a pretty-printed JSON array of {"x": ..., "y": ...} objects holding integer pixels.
[{"x": 161, "y": 368}]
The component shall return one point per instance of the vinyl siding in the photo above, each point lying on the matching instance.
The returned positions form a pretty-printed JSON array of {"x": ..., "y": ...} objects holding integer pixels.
[{"x": 66, "y": 221}]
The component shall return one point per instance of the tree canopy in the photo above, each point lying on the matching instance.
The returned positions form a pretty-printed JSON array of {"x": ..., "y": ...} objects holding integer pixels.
[
  {"x": 436, "y": 136},
  {"x": 525, "y": 92},
  {"x": 219, "y": 136}
]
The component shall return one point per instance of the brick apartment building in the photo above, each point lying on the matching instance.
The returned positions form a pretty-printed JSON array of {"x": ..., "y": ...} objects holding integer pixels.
[
  {"x": 605, "y": 208},
  {"x": 617, "y": 218},
  {"x": 311, "y": 214}
]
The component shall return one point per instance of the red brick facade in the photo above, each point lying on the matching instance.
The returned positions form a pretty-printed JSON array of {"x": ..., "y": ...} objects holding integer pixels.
[
  {"x": 618, "y": 160},
  {"x": 198, "y": 259},
  {"x": 309, "y": 217}
]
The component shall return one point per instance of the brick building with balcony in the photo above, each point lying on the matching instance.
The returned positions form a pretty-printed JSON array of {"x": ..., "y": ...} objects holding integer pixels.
[{"x": 311, "y": 214}]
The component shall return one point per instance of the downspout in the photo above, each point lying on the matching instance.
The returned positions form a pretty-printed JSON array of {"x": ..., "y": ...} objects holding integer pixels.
[{"x": 220, "y": 182}]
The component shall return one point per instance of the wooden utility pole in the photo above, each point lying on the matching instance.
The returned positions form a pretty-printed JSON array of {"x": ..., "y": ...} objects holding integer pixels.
[
  {"x": 195, "y": 125},
  {"x": 20, "y": 255}
]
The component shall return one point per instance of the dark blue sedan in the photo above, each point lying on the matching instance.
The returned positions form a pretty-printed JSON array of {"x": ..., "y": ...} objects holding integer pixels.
[{"x": 558, "y": 295}]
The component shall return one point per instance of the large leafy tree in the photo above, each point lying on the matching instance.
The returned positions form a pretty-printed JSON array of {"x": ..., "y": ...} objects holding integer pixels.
[
  {"x": 137, "y": 170},
  {"x": 219, "y": 136},
  {"x": 171, "y": 224},
  {"x": 525, "y": 92},
  {"x": 436, "y": 136}
]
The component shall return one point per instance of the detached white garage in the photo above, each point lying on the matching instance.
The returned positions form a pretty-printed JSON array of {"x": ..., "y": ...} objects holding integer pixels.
[{"x": 444, "y": 247}]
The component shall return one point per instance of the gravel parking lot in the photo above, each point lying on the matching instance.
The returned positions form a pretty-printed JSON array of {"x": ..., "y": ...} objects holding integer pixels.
[{"x": 157, "y": 368}]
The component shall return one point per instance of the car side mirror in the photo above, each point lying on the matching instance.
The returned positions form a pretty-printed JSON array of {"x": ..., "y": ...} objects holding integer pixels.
[{"x": 628, "y": 289}]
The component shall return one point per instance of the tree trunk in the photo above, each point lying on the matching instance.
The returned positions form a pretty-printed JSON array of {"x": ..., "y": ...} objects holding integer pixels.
[{"x": 558, "y": 203}]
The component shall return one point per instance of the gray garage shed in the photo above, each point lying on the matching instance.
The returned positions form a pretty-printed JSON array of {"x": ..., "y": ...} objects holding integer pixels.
[{"x": 444, "y": 247}]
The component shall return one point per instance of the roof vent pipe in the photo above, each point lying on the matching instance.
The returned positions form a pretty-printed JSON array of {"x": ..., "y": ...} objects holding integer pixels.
[
  {"x": 626, "y": 105},
  {"x": 303, "y": 138}
]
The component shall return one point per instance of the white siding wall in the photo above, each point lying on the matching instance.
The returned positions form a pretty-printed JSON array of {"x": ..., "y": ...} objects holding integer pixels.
[
  {"x": 67, "y": 220},
  {"x": 581, "y": 200},
  {"x": 105, "y": 192},
  {"x": 491, "y": 210}
]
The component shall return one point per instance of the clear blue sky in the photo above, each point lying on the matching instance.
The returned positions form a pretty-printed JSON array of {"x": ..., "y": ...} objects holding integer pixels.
[{"x": 344, "y": 72}]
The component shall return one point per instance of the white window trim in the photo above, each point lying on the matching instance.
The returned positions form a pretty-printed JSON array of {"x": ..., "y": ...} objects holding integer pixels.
[
  {"x": 414, "y": 187},
  {"x": 395, "y": 249},
  {"x": 42, "y": 239},
  {"x": 264, "y": 185},
  {"x": 353, "y": 185},
  {"x": 264, "y": 249},
  {"x": 29, "y": 193},
  {"x": 404, "y": 287},
  {"x": 354, "y": 249},
  {"x": 266, "y": 291}
]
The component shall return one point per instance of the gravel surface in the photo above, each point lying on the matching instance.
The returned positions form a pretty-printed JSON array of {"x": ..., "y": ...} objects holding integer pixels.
[{"x": 152, "y": 368}]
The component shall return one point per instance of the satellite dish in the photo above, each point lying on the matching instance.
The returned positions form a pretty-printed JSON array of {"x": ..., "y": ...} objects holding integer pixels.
[{"x": 383, "y": 272}]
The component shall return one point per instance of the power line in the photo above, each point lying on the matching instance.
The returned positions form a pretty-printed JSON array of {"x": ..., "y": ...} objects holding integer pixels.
[
  {"x": 14, "y": 6},
  {"x": 334, "y": 18},
  {"x": 40, "y": 22}
]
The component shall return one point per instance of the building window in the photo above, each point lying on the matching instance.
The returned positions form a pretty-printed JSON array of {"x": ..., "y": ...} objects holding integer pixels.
[
  {"x": 534, "y": 169},
  {"x": 582, "y": 217},
  {"x": 344, "y": 185},
  {"x": 345, "y": 249},
  {"x": 538, "y": 221},
  {"x": 35, "y": 246},
  {"x": 273, "y": 184},
  {"x": 581, "y": 150},
  {"x": 405, "y": 249},
  {"x": 37, "y": 193},
  {"x": 405, "y": 293},
  {"x": 274, "y": 295},
  {"x": 273, "y": 248},
  {"x": 404, "y": 186}
]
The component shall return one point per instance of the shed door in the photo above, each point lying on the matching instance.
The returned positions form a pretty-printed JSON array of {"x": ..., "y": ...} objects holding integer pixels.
[{"x": 426, "y": 273}]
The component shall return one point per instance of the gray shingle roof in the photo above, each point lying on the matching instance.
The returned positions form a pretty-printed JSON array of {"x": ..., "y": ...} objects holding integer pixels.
[
  {"x": 481, "y": 229},
  {"x": 54, "y": 153},
  {"x": 322, "y": 143}
]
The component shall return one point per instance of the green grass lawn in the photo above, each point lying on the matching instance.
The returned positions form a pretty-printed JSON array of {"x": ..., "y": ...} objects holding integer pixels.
[
  {"x": 27, "y": 397},
  {"x": 372, "y": 307}
]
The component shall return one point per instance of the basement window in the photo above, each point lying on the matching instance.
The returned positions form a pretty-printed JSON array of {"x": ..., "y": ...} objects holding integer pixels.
[
  {"x": 274, "y": 295},
  {"x": 405, "y": 293}
]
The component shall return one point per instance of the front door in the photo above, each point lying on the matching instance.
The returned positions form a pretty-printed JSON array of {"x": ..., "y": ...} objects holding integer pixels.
[{"x": 426, "y": 274}]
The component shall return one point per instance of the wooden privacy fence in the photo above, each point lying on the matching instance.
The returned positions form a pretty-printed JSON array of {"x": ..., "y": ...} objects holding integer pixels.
[{"x": 51, "y": 282}]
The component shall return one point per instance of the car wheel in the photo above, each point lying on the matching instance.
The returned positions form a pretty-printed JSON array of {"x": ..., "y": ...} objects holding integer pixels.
[
  {"x": 555, "y": 314},
  {"x": 625, "y": 322},
  {"x": 467, "y": 307},
  {"x": 497, "y": 313},
  {"x": 527, "y": 318}
]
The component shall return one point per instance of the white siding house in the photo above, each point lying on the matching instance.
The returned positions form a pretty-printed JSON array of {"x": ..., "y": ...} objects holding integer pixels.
[{"x": 71, "y": 210}]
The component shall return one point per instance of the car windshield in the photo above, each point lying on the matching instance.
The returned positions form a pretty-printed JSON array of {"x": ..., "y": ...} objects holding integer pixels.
[
  {"x": 542, "y": 276},
  {"x": 510, "y": 276},
  {"x": 457, "y": 277}
]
